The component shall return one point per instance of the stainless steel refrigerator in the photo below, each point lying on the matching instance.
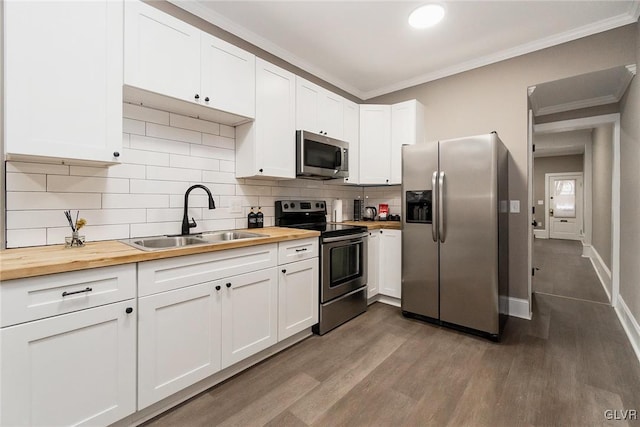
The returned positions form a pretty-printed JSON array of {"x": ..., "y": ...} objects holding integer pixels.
[{"x": 455, "y": 241}]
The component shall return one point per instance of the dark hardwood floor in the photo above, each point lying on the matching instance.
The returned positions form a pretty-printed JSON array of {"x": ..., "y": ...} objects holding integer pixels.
[
  {"x": 565, "y": 367},
  {"x": 564, "y": 272}
]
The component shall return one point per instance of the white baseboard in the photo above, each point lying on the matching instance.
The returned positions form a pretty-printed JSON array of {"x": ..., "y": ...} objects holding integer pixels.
[
  {"x": 540, "y": 233},
  {"x": 396, "y": 302},
  {"x": 602, "y": 271},
  {"x": 630, "y": 325},
  {"x": 519, "y": 307}
]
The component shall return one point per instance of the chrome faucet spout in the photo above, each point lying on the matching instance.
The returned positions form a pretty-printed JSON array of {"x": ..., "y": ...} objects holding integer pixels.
[{"x": 186, "y": 224}]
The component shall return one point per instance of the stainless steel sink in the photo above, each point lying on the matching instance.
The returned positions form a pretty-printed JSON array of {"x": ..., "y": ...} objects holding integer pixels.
[
  {"x": 224, "y": 236},
  {"x": 168, "y": 242}
]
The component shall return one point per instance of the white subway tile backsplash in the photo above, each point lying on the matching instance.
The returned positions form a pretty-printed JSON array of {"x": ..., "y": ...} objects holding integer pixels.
[
  {"x": 223, "y": 177},
  {"x": 173, "y": 174},
  {"x": 190, "y": 123},
  {"x": 132, "y": 201},
  {"x": 123, "y": 170},
  {"x": 212, "y": 152},
  {"x": 174, "y": 134},
  {"x": 218, "y": 141},
  {"x": 141, "y": 157},
  {"x": 23, "y": 238},
  {"x": 26, "y": 182},
  {"x": 188, "y": 162},
  {"x": 163, "y": 155},
  {"x": 141, "y": 186},
  {"x": 137, "y": 112},
  {"x": 146, "y": 143},
  {"x": 49, "y": 200},
  {"x": 133, "y": 126},
  {"x": 85, "y": 184},
  {"x": 42, "y": 168}
]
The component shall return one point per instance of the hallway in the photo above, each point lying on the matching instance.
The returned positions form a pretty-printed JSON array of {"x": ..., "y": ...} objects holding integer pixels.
[{"x": 564, "y": 272}]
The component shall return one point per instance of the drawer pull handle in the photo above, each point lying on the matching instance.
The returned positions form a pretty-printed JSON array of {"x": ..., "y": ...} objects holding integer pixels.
[
  {"x": 301, "y": 250},
  {"x": 66, "y": 294},
  {"x": 228, "y": 285}
]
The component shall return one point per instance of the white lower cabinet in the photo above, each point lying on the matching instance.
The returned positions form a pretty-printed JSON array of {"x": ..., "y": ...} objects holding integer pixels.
[
  {"x": 249, "y": 314},
  {"x": 179, "y": 340},
  {"x": 373, "y": 263},
  {"x": 298, "y": 289},
  {"x": 390, "y": 262},
  {"x": 72, "y": 369},
  {"x": 384, "y": 264}
]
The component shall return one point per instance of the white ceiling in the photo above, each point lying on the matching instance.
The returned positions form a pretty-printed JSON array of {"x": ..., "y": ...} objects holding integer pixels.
[{"x": 367, "y": 48}]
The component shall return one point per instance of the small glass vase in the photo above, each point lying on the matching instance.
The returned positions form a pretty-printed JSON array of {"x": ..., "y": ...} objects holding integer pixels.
[{"x": 74, "y": 241}]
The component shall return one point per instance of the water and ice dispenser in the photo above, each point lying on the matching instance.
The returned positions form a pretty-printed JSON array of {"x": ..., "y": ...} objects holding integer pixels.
[{"x": 418, "y": 207}]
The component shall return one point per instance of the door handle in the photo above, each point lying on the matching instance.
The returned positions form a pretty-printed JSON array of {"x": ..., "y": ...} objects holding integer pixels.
[
  {"x": 434, "y": 198},
  {"x": 441, "y": 222}
]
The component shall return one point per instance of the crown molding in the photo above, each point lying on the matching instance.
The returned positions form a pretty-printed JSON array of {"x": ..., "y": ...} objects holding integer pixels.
[{"x": 197, "y": 8}]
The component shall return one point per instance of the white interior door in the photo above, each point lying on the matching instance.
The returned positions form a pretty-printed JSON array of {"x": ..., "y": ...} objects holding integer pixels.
[{"x": 565, "y": 195}]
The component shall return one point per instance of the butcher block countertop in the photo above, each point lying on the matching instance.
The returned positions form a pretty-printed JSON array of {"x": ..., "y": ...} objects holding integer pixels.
[
  {"x": 37, "y": 261},
  {"x": 376, "y": 225}
]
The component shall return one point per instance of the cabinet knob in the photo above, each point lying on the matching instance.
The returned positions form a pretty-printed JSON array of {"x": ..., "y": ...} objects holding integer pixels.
[
  {"x": 284, "y": 270},
  {"x": 206, "y": 99},
  {"x": 129, "y": 310},
  {"x": 217, "y": 287},
  {"x": 380, "y": 231},
  {"x": 197, "y": 96},
  {"x": 229, "y": 285},
  {"x": 260, "y": 170},
  {"x": 116, "y": 154},
  {"x": 387, "y": 180}
]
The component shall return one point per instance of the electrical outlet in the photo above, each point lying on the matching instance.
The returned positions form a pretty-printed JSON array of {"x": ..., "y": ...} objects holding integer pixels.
[{"x": 514, "y": 206}]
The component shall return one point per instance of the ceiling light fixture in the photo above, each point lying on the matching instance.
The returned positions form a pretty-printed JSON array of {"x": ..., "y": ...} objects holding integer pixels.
[{"x": 426, "y": 16}]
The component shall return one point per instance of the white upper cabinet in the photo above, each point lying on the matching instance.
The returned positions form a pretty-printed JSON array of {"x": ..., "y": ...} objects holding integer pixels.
[
  {"x": 384, "y": 129},
  {"x": 352, "y": 136},
  {"x": 63, "y": 80},
  {"x": 228, "y": 76},
  {"x": 407, "y": 128},
  {"x": 168, "y": 57},
  {"x": 162, "y": 53},
  {"x": 318, "y": 110},
  {"x": 375, "y": 144},
  {"x": 266, "y": 147}
]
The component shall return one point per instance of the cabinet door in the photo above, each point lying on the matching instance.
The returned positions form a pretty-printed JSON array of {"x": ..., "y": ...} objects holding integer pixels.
[
  {"x": 298, "y": 288},
  {"x": 72, "y": 369},
  {"x": 249, "y": 314},
  {"x": 275, "y": 121},
  {"x": 162, "y": 53},
  {"x": 332, "y": 115},
  {"x": 391, "y": 262},
  {"x": 228, "y": 77},
  {"x": 63, "y": 79},
  {"x": 352, "y": 136},
  {"x": 375, "y": 144},
  {"x": 403, "y": 132},
  {"x": 179, "y": 340},
  {"x": 308, "y": 105},
  {"x": 373, "y": 263}
]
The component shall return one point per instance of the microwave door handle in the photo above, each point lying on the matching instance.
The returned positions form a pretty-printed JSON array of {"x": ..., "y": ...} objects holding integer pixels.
[
  {"x": 434, "y": 214},
  {"x": 338, "y": 159}
]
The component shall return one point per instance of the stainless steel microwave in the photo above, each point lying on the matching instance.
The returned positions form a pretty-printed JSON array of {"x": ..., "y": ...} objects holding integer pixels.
[{"x": 321, "y": 157}]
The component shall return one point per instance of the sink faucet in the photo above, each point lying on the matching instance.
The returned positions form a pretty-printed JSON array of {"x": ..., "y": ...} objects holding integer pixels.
[{"x": 186, "y": 225}]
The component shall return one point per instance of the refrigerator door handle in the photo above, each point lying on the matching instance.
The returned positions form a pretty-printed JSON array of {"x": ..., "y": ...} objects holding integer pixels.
[
  {"x": 441, "y": 222},
  {"x": 434, "y": 216}
]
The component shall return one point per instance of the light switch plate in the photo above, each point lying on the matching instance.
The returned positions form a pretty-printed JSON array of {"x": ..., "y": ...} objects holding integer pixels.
[
  {"x": 514, "y": 206},
  {"x": 540, "y": 202}
]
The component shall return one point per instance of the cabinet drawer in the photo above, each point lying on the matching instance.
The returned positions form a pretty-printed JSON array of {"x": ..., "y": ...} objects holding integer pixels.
[
  {"x": 23, "y": 300},
  {"x": 297, "y": 250},
  {"x": 173, "y": 273}
]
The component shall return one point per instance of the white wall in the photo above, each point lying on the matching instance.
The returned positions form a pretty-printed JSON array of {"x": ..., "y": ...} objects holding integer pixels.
[
  {"x": 602, "y": 138},
  {"x": 163, "y": 155}
]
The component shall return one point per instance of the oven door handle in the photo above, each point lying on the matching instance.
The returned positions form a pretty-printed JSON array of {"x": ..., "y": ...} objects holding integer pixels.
[{"x": 345, "y": 238}]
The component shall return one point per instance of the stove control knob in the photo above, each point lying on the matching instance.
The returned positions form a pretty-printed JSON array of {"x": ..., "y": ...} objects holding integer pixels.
[
  {"x": 293, "y": 205},
  {"x": 286, "y": 206},
  {"x": 322, "y": 205},
  {"x": 317, "y": 205}
]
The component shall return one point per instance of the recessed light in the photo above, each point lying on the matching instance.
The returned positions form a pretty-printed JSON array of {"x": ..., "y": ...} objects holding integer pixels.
[{"x": 426, "y": 16}]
